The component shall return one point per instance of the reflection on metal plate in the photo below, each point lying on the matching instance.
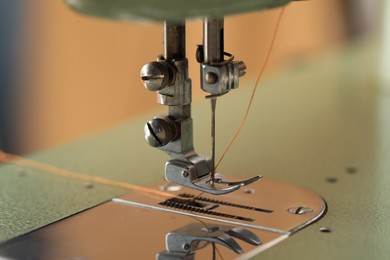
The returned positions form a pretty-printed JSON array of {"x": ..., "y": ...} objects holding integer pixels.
[
  {"x": 115, "y": 231},
  {"x": 143, "y": 226}
]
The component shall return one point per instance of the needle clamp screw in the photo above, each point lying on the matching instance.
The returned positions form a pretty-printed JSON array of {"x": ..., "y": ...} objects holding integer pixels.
[{"x": 156, "y": 75}]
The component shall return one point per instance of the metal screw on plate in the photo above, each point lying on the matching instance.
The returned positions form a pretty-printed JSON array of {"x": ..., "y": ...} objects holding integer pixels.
[
  {"x": 249, "y": 191},
  {"x": 89, "y": 185},
  {"x": 331, "y": 179},
  {"x": 184, "y": 174},
  {"x": 325, "y": 230},
  {"x": 300, "y": 210},
  {"x": 351, "y": 170},
  {"x": 21, "y": 172}
]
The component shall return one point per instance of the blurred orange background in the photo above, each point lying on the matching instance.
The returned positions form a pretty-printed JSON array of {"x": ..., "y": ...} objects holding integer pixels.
[{"x": 81, "y": 74}]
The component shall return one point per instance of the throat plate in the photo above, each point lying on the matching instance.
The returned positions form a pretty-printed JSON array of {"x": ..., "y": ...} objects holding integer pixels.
[
  {"x": 139, "y": 225},
  {"x": 266, "y": 205}
]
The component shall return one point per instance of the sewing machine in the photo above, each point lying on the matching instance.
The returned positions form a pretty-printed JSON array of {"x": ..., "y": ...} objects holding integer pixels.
[{"x": 129, "y": 212}]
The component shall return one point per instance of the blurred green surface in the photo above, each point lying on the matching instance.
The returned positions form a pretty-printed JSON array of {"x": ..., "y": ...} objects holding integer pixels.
[
  {"x": 309, "y": 125},
  {"x": 168, "y": 9}
]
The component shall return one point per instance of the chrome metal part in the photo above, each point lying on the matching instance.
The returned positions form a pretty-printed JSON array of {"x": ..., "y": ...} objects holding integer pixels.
[
  {"x": 218, "y": 76},
  {"x": 173, "y": 133},
  {"x": 157, "y": 75},
  {"x": 267, "y": 210},
  {"x": 213, "y": 39},
  {"x": 186, "y": 240},
  {"x": 196, "y": 175},
  {"x": 130, "y": 221},
  {"x": 219, "y": 79},
  {"x": 179, "y": 92}
]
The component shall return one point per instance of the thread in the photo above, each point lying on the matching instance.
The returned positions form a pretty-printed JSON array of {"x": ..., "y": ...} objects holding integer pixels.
[
  {"x": 262, "y": 69},
  {"x": 18, "y": 160}
]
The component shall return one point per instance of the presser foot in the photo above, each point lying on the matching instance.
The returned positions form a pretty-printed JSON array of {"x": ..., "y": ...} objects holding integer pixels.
[{"x": 186, "y": 174}]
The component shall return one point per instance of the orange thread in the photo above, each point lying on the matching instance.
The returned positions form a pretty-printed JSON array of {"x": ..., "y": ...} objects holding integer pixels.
[
  {"x": 255, "y": 87},
  {"x": 18, "y": 160},
  {"x": 15, "y": 159}
]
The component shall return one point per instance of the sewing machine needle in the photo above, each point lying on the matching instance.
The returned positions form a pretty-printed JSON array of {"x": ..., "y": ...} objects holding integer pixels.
[{"x": 213, "y": 102}]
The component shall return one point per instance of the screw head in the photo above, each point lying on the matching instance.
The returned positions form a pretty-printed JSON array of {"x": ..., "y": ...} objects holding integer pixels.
[
  {"x": 186, "y": 247},
  {"x": 211, "y": 78},
  {"x": 240, "y": 65},
  {"x": 331, "y": 179},
  {"x": 325, "y": 230},
  {"x": 155, "y": 133},
  {"x": 351, "y": 170},
  {"x": 89, "y": 185},
  {"x": 155, "y": 76},
  {"x": 184, "y": 174},
  {"x": 21, "y": 172},
  {"x": 159, "y": 132},
  {"x": 300, "y": 210}
]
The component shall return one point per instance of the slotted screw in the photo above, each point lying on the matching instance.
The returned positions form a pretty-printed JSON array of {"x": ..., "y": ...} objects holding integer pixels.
[
  {"x": 300, "y": 210},
  {"x": 155, "y": 75}
]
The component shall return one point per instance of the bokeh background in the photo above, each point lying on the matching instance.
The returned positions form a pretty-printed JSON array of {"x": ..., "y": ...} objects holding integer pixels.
[{"x": 64, "y": 76}]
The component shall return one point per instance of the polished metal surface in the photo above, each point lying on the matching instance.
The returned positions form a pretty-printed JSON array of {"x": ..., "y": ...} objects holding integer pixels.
[
  {"x": 139, "y": 224},
  {"x": 213, "y": 40},
  {"x": 169, "y": 9},
  {"x": 115, "y": 231},
  {"x": 187, "y": 240},
  {"x": 267, "y": 209}
]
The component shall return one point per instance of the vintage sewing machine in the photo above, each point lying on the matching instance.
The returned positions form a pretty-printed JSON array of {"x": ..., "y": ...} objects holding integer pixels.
[{"x": 197, "y": 212}]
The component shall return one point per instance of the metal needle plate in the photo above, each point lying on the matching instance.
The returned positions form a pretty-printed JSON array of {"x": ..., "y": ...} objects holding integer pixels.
[
  {"x": 116, "y": 231},
  {"x": 136, "y": 225},
  {"x": 264, "y": 205}
]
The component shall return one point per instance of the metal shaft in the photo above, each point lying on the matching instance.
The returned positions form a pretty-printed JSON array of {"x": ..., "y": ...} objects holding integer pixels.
[
  {"x": 174, "y": 40},
  {"x": 175, "y": 49},
  {"x": 213, "y": 38}
]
